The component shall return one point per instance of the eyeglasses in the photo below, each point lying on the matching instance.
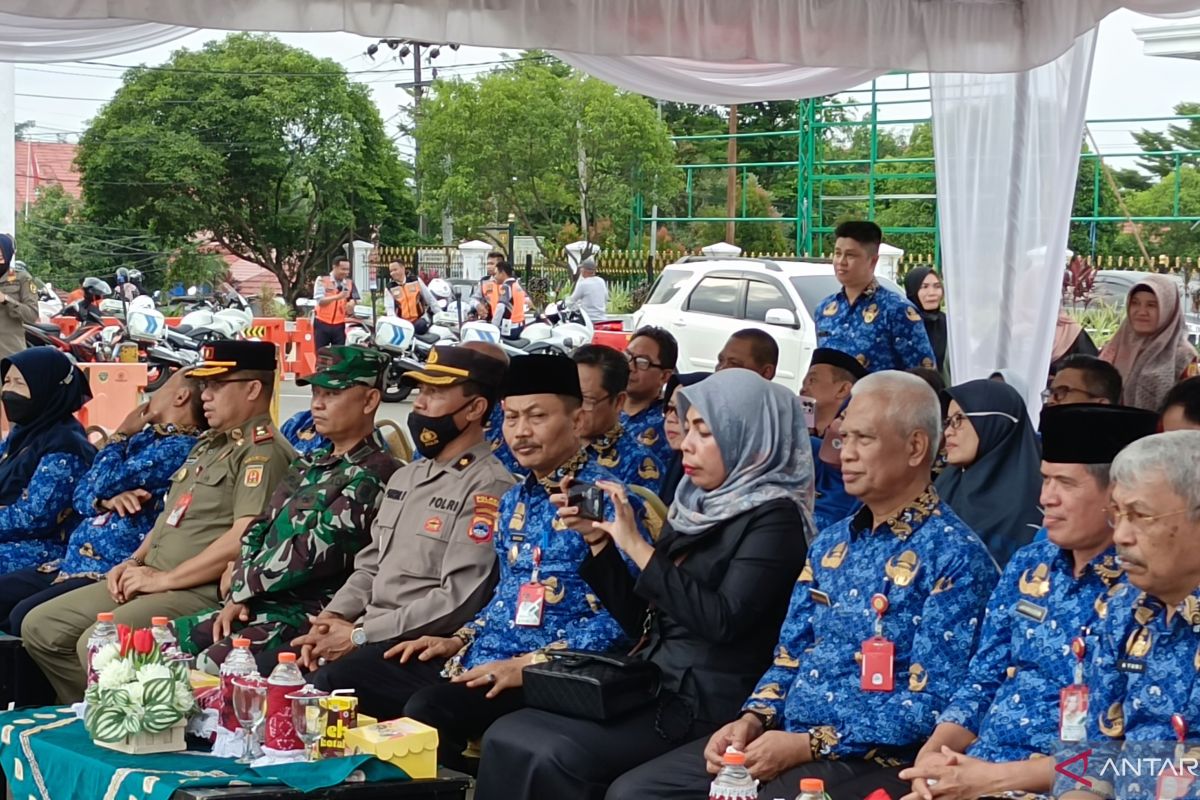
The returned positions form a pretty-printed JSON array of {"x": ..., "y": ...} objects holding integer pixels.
[
  {"x": 1060, "y": 393},
  {"x": 641, "y": 362},
  {"x": 590, "y": 403},
  {"x": 955, "y": 421},
  {"x": 1137, "y": 519}
]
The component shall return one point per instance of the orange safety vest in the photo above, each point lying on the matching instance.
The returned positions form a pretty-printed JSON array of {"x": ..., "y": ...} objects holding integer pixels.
[
  {"x": 517, "y": 315},
  {"x": 408, "y": 300},
  {"x": 491, "y": 293},
  {"x": 334, "y": 313}
]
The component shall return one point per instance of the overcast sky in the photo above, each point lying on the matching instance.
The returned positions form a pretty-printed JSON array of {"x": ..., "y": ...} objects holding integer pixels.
[{"x": 1125, "y": 83}]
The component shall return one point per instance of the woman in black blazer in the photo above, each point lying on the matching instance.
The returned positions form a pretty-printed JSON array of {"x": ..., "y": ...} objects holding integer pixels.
[{"x": 706, "y": 604}]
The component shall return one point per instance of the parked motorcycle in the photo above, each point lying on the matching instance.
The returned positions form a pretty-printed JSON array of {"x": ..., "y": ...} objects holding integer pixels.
[
  {"x": 397, "y": 338},
  {"x": 80, "y": 345}
]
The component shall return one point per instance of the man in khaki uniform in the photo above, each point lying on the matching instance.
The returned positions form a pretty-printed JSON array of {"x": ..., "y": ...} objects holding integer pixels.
[
  {"x": 225, "y": 483},
  {"x": 18, "y": 301},
  {"x": 431, "y": 562}
]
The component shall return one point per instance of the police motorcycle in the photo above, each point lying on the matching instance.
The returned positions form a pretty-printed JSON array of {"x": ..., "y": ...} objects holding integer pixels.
[
  {"x": 80, "y": 345},
  {"x": 555, "y": 331}
]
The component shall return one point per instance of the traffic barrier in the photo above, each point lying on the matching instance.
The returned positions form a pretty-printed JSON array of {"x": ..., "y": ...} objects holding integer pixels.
[
  {"x": 302, "y": 350},
  {"x": 268, "y": 329},
  {"x": 617, "y": 340},
  {"x": 116, "y": 390}
]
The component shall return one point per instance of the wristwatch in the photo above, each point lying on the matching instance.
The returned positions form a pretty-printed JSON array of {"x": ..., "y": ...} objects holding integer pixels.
[{"x": 358, "y": 637}]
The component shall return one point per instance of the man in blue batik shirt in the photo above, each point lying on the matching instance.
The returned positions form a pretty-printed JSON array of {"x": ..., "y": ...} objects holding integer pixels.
[
  {"x": 651, "y": 353},
  {"x": 603, "y": 377},
  {"x": 541, "y": 602},
  {"x": 301, "y": 432},
  {"x": 906, "y": 569},
  {"x": 1143, "y": 673},
  {"x": 118, "y": 499},
  {"x": 875, "y": 325},
  {"x": 1006, "y": 715}
]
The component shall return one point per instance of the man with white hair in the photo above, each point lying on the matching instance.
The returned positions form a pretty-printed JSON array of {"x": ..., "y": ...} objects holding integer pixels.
[
  {"x": 880, "y": 627},
  {"x": 1145, "y": 657}
]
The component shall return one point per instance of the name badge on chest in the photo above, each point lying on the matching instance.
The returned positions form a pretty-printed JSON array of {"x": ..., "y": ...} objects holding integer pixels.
[
  {"x": 878, "y": 654},
  {"x": 531, "y": 598},
  {"x": 180, "y": 509}
]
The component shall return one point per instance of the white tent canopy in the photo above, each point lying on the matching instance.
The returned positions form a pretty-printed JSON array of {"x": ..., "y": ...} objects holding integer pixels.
[{"x": 1009, "y": 86}]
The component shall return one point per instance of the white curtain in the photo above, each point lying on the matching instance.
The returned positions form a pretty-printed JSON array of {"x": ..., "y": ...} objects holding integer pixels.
[
  {"x": 914, "y": 35},
  {"x": 1007, "y": 151},
  {"x": 43, "y": 39},
  {"x": 684, "y": 80}
]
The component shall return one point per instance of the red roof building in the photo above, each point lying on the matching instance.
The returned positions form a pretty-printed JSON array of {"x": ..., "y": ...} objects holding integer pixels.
[{"x": 42, "y": 164}]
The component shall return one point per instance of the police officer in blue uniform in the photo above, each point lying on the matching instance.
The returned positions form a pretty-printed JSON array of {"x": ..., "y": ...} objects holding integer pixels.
[
  {"x": 603, "y": 378},
  {"x": 1012, "y": 709},
  {"x": 877, "y": 326},
  {"x": 880, "y": 627},
  {"x": 541, "y": 601},
  {"x": 651, "y": 353},
  {"x": 1142, "y": 702}
]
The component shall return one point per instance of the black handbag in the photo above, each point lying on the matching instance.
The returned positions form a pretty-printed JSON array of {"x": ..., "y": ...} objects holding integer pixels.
[{"x": 596, "y": 686}]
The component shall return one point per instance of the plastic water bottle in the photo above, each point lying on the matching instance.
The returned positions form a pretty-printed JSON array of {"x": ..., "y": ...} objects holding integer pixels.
[
  {"x": 285, "y": 679},
  {"x": 239, "y": 663},
  {"x": 168, "y": 645},
  {"x": 733, "y": 782},
  {"x": 811, "y": 789},
  {"x": 104, "y": 633}
]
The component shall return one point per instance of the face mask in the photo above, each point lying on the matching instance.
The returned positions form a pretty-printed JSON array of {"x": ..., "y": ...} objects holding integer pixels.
[
  {"x": 432, "y": 434},
  {"x": 19, "y": 409}
]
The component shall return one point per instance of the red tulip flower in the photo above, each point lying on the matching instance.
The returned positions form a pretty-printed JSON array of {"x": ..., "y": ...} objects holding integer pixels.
[
  {"x": 143, "y": 641},
  {"x": 125, "y": 638}
]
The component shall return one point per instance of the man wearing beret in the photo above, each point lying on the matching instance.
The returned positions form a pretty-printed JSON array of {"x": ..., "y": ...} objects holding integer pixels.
[
  {"x": 541, "y": 601},
  {"x": 223, "y": 485},
  {"x": 1023, "y": 696},
  {"x": 831, "y": 376},
  {"x": 430, "y": 564},
  {"x": 297, "y": 555}
]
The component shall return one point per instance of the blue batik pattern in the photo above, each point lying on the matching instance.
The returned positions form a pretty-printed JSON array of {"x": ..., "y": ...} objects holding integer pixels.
[
  {"x": 494, "y": 431},
  {"x": 632, "y": 463},
  {"x": 33, "y": 530},
  {"x": 1143, "y": 670},
  {"x": 146, "y": 460},
  {"x": 1024, "y": 657},
  {"x": 936, "y": 575},
  {"x": 572, "y": 617},
  {"x": 646, "y": 427},
  {"x": 301, "y": 433},
  {"x": 880, "y": 328}
]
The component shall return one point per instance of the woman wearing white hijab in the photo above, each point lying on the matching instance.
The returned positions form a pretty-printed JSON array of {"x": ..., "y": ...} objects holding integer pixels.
[{"x": 707, "y": 605}]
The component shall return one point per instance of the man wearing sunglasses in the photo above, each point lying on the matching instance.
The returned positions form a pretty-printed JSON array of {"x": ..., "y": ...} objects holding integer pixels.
[
  {"x": 225, "y": 483},
  {"x": 651, "y": 354}
]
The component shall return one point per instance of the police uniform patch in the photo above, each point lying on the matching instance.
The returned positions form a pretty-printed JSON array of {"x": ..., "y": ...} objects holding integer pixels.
[
  {"x": 433, "y": 525},
  {"x": 254, "y": 476},
  {"x": 483, "y": 520},
  {"x": 464, "y": 462}
]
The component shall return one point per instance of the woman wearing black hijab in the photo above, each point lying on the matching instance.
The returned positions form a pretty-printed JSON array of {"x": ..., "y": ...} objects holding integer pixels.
[
  {"x": 45, "y": 453},
  {"x": 924, "y": 290},
  {"x": 993, "y": 478}
]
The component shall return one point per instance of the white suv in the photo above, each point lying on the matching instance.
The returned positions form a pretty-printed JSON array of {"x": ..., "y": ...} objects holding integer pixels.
[{"x": 701, "y": 300}]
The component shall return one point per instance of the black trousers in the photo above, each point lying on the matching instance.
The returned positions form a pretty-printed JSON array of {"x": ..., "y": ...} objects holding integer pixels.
[
  {"x": 383, "y": 686},
  {"x": 682, "y": 774},
  {"x": 21, "y": 592},
  {"x": 535, "y": 754},
  {"x": 324, "y": 335},
  {"x": 460, "y": 715}
]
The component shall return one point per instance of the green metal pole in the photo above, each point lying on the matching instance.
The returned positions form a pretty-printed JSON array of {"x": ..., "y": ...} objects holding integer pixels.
[
  {"x": 874, "y": 153},
  {"x": 1178, "y": 185}
]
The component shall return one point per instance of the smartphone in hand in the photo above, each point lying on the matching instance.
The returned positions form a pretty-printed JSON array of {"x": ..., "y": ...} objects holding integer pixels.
[{"x": 589, "y": 499}]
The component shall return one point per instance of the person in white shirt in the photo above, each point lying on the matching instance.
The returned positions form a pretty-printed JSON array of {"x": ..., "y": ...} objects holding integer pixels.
[{"x": 591, "y": 292}]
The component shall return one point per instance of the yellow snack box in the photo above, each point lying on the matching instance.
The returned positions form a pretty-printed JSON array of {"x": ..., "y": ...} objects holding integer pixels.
[
  {"x": 202, "y": 680},
  {"x": 408, "y": 744}
]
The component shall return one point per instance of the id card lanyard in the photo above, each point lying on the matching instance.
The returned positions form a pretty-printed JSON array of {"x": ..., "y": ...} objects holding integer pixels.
[
  {"x": 1073, "y": 699},
  {"x": 878, "y": 653},
  {"x": 531, "y": 599}
]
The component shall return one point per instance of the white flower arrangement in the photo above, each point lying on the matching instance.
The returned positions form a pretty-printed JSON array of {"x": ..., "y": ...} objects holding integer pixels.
[{"x": 136, "y": 691}]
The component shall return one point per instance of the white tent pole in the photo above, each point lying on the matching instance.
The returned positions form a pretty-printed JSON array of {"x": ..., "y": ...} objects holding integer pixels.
[{"x": 8, "y": 148}]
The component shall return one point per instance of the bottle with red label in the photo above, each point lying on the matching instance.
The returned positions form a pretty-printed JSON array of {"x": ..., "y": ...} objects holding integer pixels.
[
  {"x": 280, "y": 731},
  {"x": 239, "y": 663}
]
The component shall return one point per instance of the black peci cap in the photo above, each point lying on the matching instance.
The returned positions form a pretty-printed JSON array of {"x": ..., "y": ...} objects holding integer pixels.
[
  {"x": 1092, "y": 433},
  {"x": 836, "y": 358},
  {"x": 542, "y": 374}
]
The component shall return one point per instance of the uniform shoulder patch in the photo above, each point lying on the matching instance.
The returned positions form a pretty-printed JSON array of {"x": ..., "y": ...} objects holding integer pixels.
[
  {"x": 253, "y": 476},
  {"x": 465, "y": 461},
  {"x": 263, "y": 433},
  {"x": 256, "y": 459},
  {"x": 484, "y": 517}
]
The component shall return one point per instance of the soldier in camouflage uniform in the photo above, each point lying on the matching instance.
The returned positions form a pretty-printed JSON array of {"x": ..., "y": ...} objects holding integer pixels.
[{"x": 300, "y": 552}]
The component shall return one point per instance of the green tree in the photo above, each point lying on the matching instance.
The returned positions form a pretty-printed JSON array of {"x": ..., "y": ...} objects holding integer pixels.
[
  {"x": 1176, "y": 137},
  {"x": 542, "y": 143},
  {"x": 261, "y": 147}
]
